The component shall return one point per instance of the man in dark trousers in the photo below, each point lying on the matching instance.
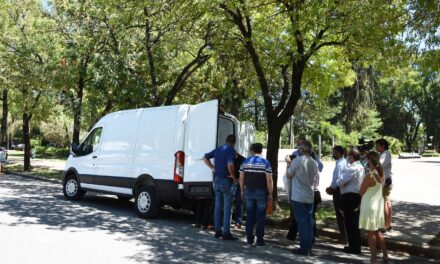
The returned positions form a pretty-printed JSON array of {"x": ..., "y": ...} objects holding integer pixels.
[
  {"x": 256, "y": 186},
  {"x": 340, "y": 168},
  {"x": 224, "y": 171},
  {"x": 350, "y": 183},
  {"x": 237, "y": 215}
]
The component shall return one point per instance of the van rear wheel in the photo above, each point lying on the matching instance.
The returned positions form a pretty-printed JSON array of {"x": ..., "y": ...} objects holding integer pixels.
[
  {"x": 146, "y": 202},
  {"x": 71, "y": 188}
]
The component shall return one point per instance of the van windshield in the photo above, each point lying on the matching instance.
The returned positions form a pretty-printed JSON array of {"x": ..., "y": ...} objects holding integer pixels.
[{"x": 226, "y": 127}]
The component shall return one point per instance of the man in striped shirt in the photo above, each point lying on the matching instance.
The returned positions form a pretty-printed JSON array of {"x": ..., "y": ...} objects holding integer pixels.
[{"x": 256, "y": 185}]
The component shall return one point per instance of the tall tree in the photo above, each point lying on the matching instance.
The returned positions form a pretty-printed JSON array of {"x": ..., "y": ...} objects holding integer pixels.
[
  {"x": 30, "y": 50},
  {"x": 285, "y": 39}
]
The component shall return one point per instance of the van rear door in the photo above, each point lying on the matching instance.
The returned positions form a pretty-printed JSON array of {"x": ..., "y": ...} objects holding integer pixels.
[
  {"x": 245, "y": 138},
  {"x": 200, "y": 138}
]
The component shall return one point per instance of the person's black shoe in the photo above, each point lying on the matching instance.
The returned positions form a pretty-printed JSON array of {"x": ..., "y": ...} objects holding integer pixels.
[
  {"x": 352, "y": 251},
  {"x": 291, "y": 236},
  {"x": 229, "y": 237},
  {"x": 218, "y": 234},
  {"x": 260, "y": 243},
  {"x": 383, "y": 230},
  {"x": 298, "y": 251}
]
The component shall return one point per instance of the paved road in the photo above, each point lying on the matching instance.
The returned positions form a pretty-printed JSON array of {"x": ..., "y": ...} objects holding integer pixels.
[
  {"x": 37, "y": 225},
  {"x": 414, "y": 180}
]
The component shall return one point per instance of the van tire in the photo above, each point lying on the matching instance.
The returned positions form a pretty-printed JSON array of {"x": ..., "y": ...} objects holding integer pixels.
[
  {"x": 146, "y": 202},
  {"x": 72, "y": 189}
]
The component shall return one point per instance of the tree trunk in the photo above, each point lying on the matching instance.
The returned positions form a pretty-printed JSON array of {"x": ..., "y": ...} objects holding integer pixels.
[
  {"x": 5, "y": 112},
  {"x": 27, "y": 142},
  {"x": 273, "y": 145},
  {"x": 257, "y": 125},
  {"x": 77, "y": 104}
]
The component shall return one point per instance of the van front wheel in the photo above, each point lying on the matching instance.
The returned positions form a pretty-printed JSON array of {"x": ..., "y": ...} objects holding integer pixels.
[
  {"x": 146, "y": 203},
  {"x": 71, "y": 189}
]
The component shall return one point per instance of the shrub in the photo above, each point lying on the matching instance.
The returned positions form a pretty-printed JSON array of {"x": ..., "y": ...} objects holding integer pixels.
[
  {"x": 36, "y": 142},
  {"x": 395, "y": 145},
  {"x": 430, "y": 154}
]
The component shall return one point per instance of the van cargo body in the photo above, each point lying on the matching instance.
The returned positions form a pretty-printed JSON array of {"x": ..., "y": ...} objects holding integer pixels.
[{"x": 153, "y": 154}]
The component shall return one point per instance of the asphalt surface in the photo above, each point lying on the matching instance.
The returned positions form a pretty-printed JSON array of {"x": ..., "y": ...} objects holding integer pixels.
[{"x": 37, "y": 225}]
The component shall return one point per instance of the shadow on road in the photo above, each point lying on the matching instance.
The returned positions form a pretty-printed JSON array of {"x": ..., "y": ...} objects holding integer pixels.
[
  {"x": 171, "y": 237},
  {"x": 415, "y": 222}
]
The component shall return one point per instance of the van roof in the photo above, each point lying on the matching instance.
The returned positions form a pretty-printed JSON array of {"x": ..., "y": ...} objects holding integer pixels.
[{"x": 137, "y": 110}]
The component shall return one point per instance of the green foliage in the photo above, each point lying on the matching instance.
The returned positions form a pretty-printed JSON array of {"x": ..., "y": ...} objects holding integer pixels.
[
  {"x": 261, "y": 137},
  {"x": 36, "y": 142},
  {"x": 51, "y": 152},
  {"x": 430, "y": 154},
  {"x": 395, "y": 145}
]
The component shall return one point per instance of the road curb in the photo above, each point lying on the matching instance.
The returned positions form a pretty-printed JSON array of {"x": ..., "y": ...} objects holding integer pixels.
[
  {"x": 392, "y": 244},
  {"x": 35, "y": 177}
]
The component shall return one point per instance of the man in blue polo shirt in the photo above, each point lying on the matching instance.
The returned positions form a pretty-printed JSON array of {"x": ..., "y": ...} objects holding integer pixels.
[
  {"x": 224, "y": 171},
  {"x": 257, "y": 186}
]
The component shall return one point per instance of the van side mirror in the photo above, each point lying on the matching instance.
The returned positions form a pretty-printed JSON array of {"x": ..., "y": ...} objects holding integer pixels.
[{"x": 75, "y": 149}]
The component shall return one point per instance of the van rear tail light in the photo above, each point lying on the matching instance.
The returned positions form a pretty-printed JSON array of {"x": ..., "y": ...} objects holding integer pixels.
[{"x": 179, "y": 166}]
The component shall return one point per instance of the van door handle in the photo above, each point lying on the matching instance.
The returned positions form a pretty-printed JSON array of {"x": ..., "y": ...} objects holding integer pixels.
[{"x": 94, "y": 157}]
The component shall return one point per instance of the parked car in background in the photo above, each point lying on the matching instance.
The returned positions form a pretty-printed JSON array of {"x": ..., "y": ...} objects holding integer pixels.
[
  {"x": 3, "y": 158},
  {"x": 19, "y": 147}
]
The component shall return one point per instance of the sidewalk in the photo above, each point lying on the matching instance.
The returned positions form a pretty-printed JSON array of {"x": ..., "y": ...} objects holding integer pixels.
[{"x": 415, "y": 227}]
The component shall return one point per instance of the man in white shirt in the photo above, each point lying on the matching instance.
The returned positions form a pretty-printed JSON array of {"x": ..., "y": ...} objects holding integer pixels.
[
  {"x": 385, "y": 159},
  {"x": 350, "y": 184},
  {"x": 302, "y": 172},
  {"x": 340, "y": 168}
]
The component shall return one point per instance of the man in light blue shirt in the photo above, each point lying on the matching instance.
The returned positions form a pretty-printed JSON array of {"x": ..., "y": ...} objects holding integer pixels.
[
  {"x": 340, "y": 168},
  {"x": 350, "y": 184}
]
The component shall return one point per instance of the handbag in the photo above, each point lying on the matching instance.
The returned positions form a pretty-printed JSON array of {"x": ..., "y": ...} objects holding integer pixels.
[{"x": 317, "y": 197}]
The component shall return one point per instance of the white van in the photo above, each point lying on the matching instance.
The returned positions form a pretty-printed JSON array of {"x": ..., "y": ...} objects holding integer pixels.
[{"x": 153, "y": 154}]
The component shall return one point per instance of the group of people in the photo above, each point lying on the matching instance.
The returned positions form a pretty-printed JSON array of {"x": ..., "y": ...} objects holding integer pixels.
[
  {"x": 253, "y": 183},
  {"x": 360, "y": 187}
]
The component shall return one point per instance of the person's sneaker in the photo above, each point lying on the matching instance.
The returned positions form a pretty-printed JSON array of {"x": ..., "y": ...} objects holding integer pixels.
[
  {"x": 237, "y": 226},
  {"x": 229, "y": 237},
  {"x": 218, "y": 234}
]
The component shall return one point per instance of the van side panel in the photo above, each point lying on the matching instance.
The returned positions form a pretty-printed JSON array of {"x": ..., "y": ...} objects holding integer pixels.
[
  {"x": 156, "y": 148},
  {"x": 154, "y": 154},
  {"x": 115, "y": 158}
]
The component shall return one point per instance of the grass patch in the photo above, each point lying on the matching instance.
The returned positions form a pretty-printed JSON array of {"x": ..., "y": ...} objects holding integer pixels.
[
  {"x": 325, "y": 215},
  {"x": 35, "y": 171},
  {"x": 52, "y": 156},
  {"x": 15, "y": 153}
]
